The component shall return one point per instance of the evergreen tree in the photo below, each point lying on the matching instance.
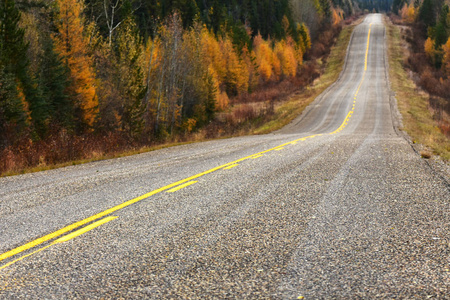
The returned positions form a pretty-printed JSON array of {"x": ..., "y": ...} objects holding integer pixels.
[
  {"x": 326, "y": 9},
  {"x": 189, "y": 11},
  {"x": 12, "y": 46},
  {"x": 426, "y": 13},
  {"x": 416, "y": 3},
  {"x": 397, "y": 5},
  {"x": 13, "y": 63},
  {"x": 442, "y": 27},
  {"x": 54, "y": 82},
  {"x": 12, "y": 117}
]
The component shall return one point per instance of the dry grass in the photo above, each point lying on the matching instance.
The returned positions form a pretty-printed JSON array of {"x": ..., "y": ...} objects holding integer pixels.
[
  {"x": 19, "y": 167},
  {"x": 413, "y": 103}
]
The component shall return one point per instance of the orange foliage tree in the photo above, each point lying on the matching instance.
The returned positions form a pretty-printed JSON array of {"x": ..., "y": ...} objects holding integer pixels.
[
  {"x": 72, "y": 46},
  {"x": 336, "y": 15}
]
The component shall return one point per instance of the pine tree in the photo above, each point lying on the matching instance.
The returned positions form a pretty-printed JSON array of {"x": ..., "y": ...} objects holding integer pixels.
[
  {"x": 12, "y": 117},
  {"x": 442, "y": 27},
  {"x": 416, "y": 4},
  {"x": 13, "y": 64},
  {"x": 397, "y": 5},
  {"x": 326, "y": 9},
  {"x": 426, "y": 13},
  {"x": 53, "y": 80},
  {"x": 12, "y": 46},
  {"x": 189, "y": 11}
]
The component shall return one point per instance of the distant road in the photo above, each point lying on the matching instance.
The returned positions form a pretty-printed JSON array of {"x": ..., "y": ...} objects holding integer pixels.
[{"x": 336, "y": 205}]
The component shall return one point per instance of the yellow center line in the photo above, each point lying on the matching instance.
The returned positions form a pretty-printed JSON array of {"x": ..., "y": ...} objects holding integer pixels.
[
  {"x": 349, "y": 115},
  {"x": 84, "y": 230},
  {"x": 279, "y": 149},
  {"x": 179, "y": 184},
  {"x": 231, "y": 167},
  {"x": 63, "y": 239},
  {"x": 257, "y": 156},
  {"x": 71, "y": 227},
  {"x": 367, "y": 49}
]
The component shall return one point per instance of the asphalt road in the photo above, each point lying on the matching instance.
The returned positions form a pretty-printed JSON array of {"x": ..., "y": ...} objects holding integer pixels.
[{"x": 335, "y": 205}]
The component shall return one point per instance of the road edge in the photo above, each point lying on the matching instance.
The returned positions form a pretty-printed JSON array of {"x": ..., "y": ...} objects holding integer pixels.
[{"x": 439, "y": 167}]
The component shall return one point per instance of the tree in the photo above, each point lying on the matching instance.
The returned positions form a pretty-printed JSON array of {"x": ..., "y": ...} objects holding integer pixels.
[
  {"x": 189, "y": 12},
  {"x": 325, "y": 6},
  {"x": 426, "y": 13},
  {"x": 397, "y": 5},
  {"x": 429, "y": 47},
  {"x": 446, "y": 62},
  {"x": 441, "y": 32},
  {"x": 13, "y": 68},
  {"x": 72, "y": 46},
  {"x": 237, "y": 75},
  {"x": 12, "y": 117},
  {"x": 408, "y": 13},
  {"x": 129, "y": 76},
  {"x": 53, "y": 82},
  {"x": 264, "y": 58},
  {"x": 305, "y": 41}
]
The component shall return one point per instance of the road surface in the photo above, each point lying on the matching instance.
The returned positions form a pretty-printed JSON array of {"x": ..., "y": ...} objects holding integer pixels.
[{"x": 335, "y": 205}]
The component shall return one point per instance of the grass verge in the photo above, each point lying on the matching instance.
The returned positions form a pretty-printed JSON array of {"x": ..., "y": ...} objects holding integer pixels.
[{"x": 413, "y": 103}]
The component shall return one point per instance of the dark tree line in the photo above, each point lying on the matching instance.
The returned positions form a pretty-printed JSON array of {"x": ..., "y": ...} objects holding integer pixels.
[{"x": 378, "y": 5}]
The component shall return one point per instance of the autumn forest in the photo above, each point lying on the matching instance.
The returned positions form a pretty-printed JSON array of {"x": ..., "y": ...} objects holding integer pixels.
[{"x": 85, "y": 76}]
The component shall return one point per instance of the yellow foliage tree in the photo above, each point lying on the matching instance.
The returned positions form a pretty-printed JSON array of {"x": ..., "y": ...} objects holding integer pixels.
[
  {"x": 212, "y": 54},
  {"x": 411, "y": 13},
  {"x": 72, "y": 45},
  {"x": 429, "y": 47},
  {"x": 298, "y": 51},
  {"x": 446, "y": 61},
  {"x": 264, "y": 57},
  {"x": 408, "y": 13},
  {"x": 286, "y": 55},
  {"x": 305, "y": 42},
  {"x": 237, "y": 73}
]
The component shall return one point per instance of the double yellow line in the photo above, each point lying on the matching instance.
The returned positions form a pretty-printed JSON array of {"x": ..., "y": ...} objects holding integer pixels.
[
  {"x": 350, "y": 113},
  {"x": 95, "y": 222}
]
